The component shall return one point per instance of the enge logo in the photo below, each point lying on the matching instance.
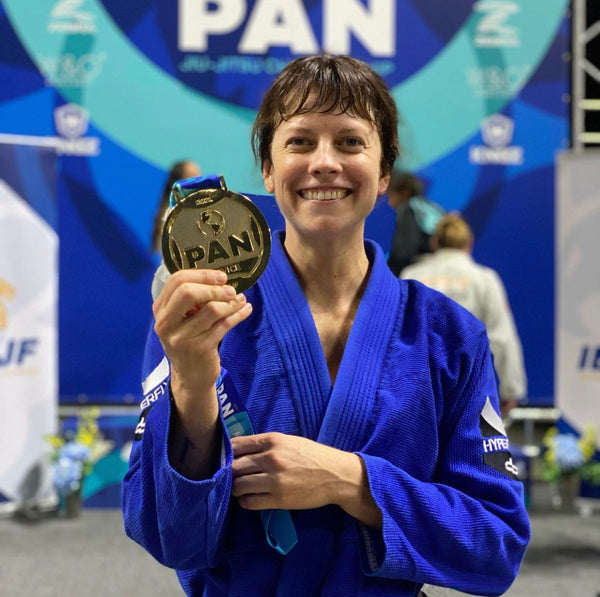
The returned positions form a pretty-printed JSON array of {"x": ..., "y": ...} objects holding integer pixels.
[
  {"x": 497, "y": 133},
  {"x": 72, "y": 123}
]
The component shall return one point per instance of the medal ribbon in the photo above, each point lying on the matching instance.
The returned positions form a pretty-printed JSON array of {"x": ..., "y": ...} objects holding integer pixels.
[
  {"x": 189, "y": 185},
  {"x": 278, "y": 524}
]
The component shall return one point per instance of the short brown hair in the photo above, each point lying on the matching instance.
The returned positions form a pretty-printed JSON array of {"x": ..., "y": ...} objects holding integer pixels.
[{"x": 328, "y": 84}]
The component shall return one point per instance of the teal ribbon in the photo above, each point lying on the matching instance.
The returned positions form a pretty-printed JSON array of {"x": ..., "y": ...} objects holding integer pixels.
[
  {"x": 189, "y": 185},
  {"x": 278, "y": 524}
]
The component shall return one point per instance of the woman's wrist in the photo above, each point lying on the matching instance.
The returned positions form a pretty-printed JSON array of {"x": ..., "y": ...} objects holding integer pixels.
[
  {"x": 353, "y": 494},
  {"x": 195, "y": 435}
]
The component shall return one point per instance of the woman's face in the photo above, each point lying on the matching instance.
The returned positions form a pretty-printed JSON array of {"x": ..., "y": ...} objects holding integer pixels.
[{"x": 325, "y": 172}]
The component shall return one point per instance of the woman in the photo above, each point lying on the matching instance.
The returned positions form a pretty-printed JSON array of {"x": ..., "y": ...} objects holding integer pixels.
[
  {"x": 452, "y": 270},
  {"x": 371, "y": 398}
]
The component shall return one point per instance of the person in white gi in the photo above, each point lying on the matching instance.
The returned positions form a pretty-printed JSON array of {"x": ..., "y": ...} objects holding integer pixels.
[{"x": 452, "y": 270}]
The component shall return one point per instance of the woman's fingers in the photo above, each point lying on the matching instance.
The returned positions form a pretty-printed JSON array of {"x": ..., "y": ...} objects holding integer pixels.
[
  {"x": 173, "y": 285},
  {"x": 224, "y": 321},
  {"x": 208, "y": 324},
  {"x": 194, "y": 311}
]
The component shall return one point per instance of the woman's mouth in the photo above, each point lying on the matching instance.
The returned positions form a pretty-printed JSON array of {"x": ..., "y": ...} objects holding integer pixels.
[{"x": 324, "y": 195}]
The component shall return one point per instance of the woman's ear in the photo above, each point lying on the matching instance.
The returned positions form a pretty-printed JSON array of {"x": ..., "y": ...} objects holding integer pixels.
[
  {"x": 267, "y": 174},
  {"x": 384, "y": 181}
]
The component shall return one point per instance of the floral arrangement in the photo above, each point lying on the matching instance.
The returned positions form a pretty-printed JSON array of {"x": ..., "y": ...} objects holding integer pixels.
[
  {"x": 567, "y": 455},
  {"x": 74, "y": 454}
]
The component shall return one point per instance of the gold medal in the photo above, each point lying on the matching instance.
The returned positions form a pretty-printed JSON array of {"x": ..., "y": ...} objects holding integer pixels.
[{"x": 215, "y": 228}]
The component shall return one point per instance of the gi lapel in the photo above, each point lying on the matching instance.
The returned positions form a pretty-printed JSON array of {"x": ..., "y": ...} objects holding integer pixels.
[
  {"x": 352, "y": 399},
  {"x": 297, "y": 338}
]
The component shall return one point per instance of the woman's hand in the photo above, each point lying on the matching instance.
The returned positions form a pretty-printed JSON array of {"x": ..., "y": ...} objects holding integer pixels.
[
  {"x": 274, "y": 470},
  {"x": 193, "y": 312}
]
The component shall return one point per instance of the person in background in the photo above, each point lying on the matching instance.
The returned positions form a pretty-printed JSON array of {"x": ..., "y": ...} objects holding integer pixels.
[
  {"x": 416, "y": 218},
  {"x": 369, "y": 403},
  {"x": 452, "y": 270},
  {"x": 179, "y": 171}
]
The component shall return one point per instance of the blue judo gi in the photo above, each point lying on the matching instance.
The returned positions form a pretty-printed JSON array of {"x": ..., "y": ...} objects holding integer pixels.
[{"x": 415, "y": 397}]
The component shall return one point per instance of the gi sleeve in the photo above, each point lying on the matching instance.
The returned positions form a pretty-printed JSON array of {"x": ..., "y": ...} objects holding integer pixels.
[
  {"x": 462, "y": 525},
  {"x": 180, "y": 522}
]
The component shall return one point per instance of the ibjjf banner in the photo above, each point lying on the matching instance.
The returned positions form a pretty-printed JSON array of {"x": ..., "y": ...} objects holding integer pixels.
[
  {"x": 122, "y": 90},
  {"x": 578, "y": 289},
  {"x": 28, "y": 334}
]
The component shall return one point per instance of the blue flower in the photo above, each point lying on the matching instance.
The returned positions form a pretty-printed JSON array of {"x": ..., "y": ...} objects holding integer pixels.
[
  {"x": 75, "y": 451},
  {"x": 567, "y": 451},
  {"x": 67, "y": 475}
]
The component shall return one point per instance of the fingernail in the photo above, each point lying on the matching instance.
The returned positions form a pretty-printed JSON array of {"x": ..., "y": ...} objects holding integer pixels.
[
  {"x": 229, "y": 291},
  {"x": 240, "y": 298},
  {"x": 220, "y": 277}
]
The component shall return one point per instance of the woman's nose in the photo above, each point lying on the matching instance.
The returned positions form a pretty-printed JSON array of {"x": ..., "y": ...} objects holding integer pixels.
[{"x": 325, "y": 159}]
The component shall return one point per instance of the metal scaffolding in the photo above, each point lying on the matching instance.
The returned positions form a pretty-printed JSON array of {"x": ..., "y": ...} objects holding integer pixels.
[{"x": 585, "y": 74}]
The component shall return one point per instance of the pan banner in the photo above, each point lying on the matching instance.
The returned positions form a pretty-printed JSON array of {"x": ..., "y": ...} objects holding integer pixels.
[{"x": 124, "y": 90}]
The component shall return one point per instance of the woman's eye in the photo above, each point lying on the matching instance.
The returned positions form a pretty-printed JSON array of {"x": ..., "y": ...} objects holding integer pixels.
[
  {"x": 352, "y": 142},
  {"x": 298, "y": 141}
]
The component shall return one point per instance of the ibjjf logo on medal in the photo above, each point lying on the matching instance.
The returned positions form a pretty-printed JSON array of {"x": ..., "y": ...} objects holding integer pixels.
[{"x": 214, "y": 228}]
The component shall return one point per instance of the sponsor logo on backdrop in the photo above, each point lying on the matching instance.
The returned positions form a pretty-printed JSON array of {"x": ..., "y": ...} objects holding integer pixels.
[
  {"x": 70, "y": 17},
  {"x": 72, "y": 71},
  {"x": 281, "y": 24},
  {"x": 497, "y": 134},
  {"x": 497, "y": 81},
  {"x": 7, "y": 293},
  {"x": 589, "y": 361},
  {"x": 72, "y": 122},
  {"x": 14, "y": 352},
  {"x": 493, "y": 29}
]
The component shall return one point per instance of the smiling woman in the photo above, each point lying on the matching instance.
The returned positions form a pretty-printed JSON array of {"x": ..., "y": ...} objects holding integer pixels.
[
  {"x": 325, "y": 172},
  {"x": 365, "y": 400}
]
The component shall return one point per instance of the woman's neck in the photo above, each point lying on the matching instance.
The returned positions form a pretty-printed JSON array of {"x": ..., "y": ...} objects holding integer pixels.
[{"x": 329, "y": 272}]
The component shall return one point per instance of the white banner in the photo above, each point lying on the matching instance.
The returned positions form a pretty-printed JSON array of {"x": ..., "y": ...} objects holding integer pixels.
[
  {"x": 577, "y": 362},
  {"x": 28, "y": 344}
]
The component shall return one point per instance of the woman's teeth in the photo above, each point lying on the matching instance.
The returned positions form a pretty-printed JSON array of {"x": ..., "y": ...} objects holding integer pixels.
[{"x": 324, "y": 195}]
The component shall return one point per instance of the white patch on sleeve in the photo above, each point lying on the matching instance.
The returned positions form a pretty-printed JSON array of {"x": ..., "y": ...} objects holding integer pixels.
[
  {"x": 160, "y": 373},
  {"x": 492, "y": 418}
]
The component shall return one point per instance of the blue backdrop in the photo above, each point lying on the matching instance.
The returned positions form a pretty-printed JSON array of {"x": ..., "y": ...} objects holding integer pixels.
[{"x": 122, "y": 90}]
